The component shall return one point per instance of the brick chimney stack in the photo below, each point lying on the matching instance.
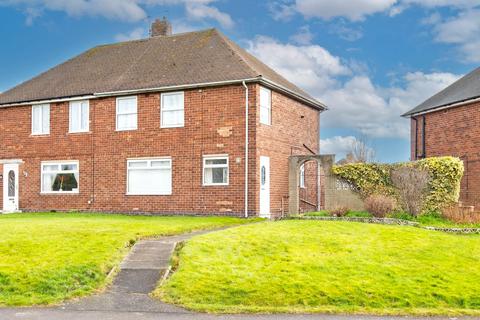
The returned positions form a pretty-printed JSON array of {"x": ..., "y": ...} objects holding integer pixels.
[{"x": 161, "y": 28}]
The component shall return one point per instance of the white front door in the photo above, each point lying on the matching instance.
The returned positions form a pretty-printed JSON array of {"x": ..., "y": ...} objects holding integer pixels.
[
  {"x": 265, "y": 187},
  {"x": 10, "y": 187}
]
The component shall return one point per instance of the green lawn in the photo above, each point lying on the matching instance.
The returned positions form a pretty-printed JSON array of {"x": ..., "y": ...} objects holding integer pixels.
[
  {"x": 45, "y": 258},
  {"x": 323, "y": 266}
]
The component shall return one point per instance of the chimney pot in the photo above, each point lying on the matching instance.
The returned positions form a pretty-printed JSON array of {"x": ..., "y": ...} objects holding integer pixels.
[{"x": 161, "y": 28}]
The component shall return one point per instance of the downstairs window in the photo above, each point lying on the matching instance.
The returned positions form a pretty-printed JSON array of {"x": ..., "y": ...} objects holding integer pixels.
[
  {"x": 149, "y": 176},
  {"x": 60, "y": 177}
]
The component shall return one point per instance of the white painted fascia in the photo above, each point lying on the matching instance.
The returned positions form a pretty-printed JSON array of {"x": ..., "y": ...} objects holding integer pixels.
[
  {"x": 453, "y": 105},
  {"x": 268, "y": 83}
]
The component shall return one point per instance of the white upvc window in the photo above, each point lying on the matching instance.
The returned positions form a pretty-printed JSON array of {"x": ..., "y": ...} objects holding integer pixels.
[
  {"x": 79, "y": 116},
  {"x": 40, "y": 119},
  {"x": 215, "y": 170},
  {"x": 302, "y": 176},
  {"x": 60, "y": 177},
  {"x": 151, "y": 176},
  {"x": 126, "y": 113},
  {"x": 265, "y": 106},
  {"x": 172, "y": 110}
]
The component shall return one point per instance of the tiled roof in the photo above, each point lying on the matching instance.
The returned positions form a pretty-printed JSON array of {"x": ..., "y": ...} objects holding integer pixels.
[
  {"x": 180, "y": 59},
  {"x": 464, "y": 89}
]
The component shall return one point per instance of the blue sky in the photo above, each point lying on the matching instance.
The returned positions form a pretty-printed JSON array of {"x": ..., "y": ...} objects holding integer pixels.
[{"x": 368, "y": 60}]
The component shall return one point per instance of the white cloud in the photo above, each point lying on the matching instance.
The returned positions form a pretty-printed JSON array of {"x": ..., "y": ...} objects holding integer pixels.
[
  {"x": 303, "y": 36},
  {"x": 343, "y": 145},
  {"x": 281, "y": 11},
  {"x": 462, "y": 30},
  {"x": 353, "y": 10},
  {"x": 355, "y": 102},
  {"x": 345, "y": 32},
  {"x": 198, "y": 10},
  {"x": 337, "y": 145},
  {"x": 137, "y": 33},
  {"x": 309, "y": 66},
  {"x": 123, "y": 10}
]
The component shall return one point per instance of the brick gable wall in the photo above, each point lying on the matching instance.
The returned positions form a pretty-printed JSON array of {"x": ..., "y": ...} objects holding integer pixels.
[
  {"x": 293, "y": 125},
  {"x": 454, "y": 132}
]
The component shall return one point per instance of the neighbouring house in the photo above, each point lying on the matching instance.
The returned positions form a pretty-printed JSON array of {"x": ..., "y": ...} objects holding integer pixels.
[
  {"x": 162, "y": 125},
  {"x": 447, "y": 125}
]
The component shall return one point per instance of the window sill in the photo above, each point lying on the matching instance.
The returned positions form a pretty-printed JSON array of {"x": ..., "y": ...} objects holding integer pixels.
[
  {"x": 121, "y": 130},
  {"x": 148, "y": 194},
  {"x": 172, "y": 126},
  {"x": 216, "y": 185},
  {"x": 59, "y": 193},
  {"x": 39, "y": 134},
  {"x": 79, "y": 132}
]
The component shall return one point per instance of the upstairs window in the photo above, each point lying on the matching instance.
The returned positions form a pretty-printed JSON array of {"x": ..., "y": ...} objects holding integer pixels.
[
  {"x": 172, "y": 110},
  {"x": 215, "y": 170},
  {"x": 302, "y": 176},
  {"x": 41, "y": 119},
  {"x": 149, "y": 176},
  {"x": 60, "y": 177},
  {"x": 126, "y": 113},
  {"x": 79, "y": 116},
  {"x": 265, "y": 106}
]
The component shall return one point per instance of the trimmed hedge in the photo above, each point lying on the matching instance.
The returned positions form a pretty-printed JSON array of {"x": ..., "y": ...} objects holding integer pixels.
[{"x": 373, "y": 178}]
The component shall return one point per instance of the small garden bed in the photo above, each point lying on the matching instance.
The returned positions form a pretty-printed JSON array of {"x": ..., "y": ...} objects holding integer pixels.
[{"x": 428, "y": 221}]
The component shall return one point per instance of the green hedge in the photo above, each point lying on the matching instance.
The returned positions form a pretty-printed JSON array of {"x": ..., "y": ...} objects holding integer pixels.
[{"x": 372, "y": 178}]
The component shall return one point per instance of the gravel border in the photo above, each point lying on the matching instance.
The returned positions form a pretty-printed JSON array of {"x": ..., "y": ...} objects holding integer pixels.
[{"x": 388, "y": 221}]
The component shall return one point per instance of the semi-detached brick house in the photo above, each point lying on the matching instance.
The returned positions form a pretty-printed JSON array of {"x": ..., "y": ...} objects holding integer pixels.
[
  {"x": 159, "y": 126},
  {"x": 447, "y": 124}
]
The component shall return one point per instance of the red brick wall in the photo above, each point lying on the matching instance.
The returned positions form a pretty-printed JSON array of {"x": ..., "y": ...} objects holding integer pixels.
[
  {"x": 214, "y": 124},
  {"x": 293, "y": 124},
  {"x": 103, "y": 153},
  {"x": 454, "y": 132}
]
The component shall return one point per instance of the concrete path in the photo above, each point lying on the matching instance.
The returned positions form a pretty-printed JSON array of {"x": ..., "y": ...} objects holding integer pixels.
[
  {"x": 127, "y": 298},
  {"x": 139, "y": 275}
]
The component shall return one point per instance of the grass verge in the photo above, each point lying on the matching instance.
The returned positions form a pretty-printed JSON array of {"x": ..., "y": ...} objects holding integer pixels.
[
  {"x": 46, "y": 258},
  {"x": 338, "y": 267}
]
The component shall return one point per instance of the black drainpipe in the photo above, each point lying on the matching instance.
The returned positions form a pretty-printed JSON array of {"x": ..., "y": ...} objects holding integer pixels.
[
  {"x": 416, "y": 138},
  {"x": 424, "y": 151}
]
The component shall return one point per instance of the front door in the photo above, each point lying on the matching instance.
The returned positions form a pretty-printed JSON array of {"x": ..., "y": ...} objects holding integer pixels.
[
  {"x": 265, "y": 187},
  {"x": 10, "y": 188}
]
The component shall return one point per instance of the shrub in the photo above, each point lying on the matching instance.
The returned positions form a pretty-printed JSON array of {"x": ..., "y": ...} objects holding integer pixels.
[
  {"x": 411, "y": 184},
  {"x": 402, "y": 215},
  {"x": 445, "y": 174},
  {"x": 339, "y": 211},
  {"x": 380, "y": 205},
  {"x": 460, "y": 214}
]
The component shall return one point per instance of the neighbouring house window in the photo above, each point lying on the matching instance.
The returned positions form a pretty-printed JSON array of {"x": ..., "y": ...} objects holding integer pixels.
[
  {"x": 126, "y": 113},
  {"x": 60, "y": 177},
  {"x": 41, "y": 119},
  {"x": 79, "y": 116},
  {"x": 265, "y": 106},
  {"x": 172, "y": 110},
  {"x": 215, "y": 170},
  {"x": 302, "y": 176},
  {"x": 149, "y": 176}
]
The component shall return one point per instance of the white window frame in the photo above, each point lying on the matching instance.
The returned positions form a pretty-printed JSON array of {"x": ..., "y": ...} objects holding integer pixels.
[
  {"x": 70, "y": 120},
  {"x": 178, "y": 125},
  {"x": 205, "y": 166},
  {"x": 149, "y": 167},
  {"x": 45, "y": 105},
  {"x": 126, "y": 113},
  {"x": 60, "y": 163},
  {"x": 268, "y": 107},
  {"x": 302, "y": 176}
]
